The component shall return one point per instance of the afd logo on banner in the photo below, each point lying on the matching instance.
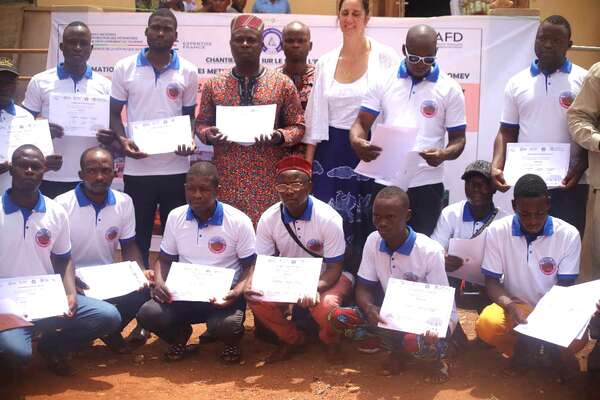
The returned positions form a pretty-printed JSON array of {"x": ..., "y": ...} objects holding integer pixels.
[
  {"x": 450, "y": 39},
  {"x": 272, "y": 41}
]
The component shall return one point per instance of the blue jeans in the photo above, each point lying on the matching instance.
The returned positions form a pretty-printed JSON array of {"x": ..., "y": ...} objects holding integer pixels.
[{"x": 94, "y": 319}]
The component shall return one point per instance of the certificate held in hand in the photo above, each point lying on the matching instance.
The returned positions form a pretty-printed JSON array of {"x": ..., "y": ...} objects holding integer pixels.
[
  {"x": 191, "y": 282},
  {"x": 80, "y": 114},
  {"x": 286, "y": 280},
  {"x": 36, "y": 297},
  {"x": 243, "y": 124},
  {"x": 160, "y": 136},
  {"x": 17, "y": 133},
  {"x": 112, "y": 280},
  {"x": 415, "y": 307},
  {"x": 550, "y": 161},
  {"x": 471, "y": 252}
]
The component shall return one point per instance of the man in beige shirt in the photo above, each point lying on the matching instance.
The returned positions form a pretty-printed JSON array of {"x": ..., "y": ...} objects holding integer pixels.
[{"x": 584, "y": 124}]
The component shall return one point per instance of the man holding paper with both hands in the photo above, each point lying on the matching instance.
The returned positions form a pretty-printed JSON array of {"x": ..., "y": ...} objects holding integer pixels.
[
  {"x": 205, "y": 234},
  {"x": 300, "y": 226},
  {"x": 417, "y": 94},
  {"x": 247, "y": 164},
  {"x": 34, "y": 241},
  {"x": 100, "y": 218}
]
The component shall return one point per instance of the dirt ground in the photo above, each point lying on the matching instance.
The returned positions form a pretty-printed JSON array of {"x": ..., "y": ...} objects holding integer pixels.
[{"x": 144, "y": 375}]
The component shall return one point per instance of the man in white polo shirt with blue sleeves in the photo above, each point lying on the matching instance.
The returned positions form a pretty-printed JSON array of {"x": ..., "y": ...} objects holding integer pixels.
[
  {"x": 100, "y": 218},
  {"x": 73, "y": 75},
  {"x": 9, "y": 111},
  {"x": 395, "y": 250},
  {"x": 204, "y": 232},
  {"x": 302, "y": 226},
  {"x": 154, "y": 83},
  {"x": 417, "y": 94},
  {"x": 535, "y": 111},
  {"x": 525, "y": 255},
  {"x": 34, "y": 240}
]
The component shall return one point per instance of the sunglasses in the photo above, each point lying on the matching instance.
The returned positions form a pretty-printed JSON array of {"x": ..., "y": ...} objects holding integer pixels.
[{"x": 413, "y": 59}]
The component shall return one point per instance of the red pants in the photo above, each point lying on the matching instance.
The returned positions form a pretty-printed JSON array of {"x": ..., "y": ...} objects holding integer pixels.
[{"x": 272, "y": 314}]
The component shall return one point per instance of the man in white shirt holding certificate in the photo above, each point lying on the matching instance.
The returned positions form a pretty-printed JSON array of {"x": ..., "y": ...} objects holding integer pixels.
[
  {"x": 302, "y": 226},
  {"x": 100, "y": 218},
  {"x": 155, "y": 83},
  {"x": 525, "y": 255},
  {"x": 205, "y": 232},
  {"x": 44, "y": 248},
  {"x": 72, "y": 76},
  {"x": 535, "y": 111},
  {"x": 395, "y": 250}
]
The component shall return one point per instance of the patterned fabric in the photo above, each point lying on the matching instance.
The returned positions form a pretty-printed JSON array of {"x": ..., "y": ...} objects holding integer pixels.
[
  {"x": 248, "y": 172},
  {"x": 350, "y": 194},
  {"x": 304, "y": 83},
  {"x": 247, "y": 21}
]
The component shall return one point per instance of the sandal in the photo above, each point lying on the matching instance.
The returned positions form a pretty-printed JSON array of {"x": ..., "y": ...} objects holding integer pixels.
[
  {"x": 231, "y": 354},
  {"x": 438, "y": 372},
  {"x": 176, "y": 352}
]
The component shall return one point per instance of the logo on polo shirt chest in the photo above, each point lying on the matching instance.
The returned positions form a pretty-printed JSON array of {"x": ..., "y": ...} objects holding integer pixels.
[
  {"x": 315, "y": 246},
  {"x": 173, "y": 91},
  {"x": 566, "y": 99},
  {"x": 111, "y": 233},
  {"x": 429, "y": 108},
  {"x": 217, "y": 244},
  {"x": 547, "y": 265},
  {"x": 43, "y": 237}
]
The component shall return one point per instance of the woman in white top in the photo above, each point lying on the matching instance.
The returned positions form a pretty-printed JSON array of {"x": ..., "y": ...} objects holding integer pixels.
[{"x": 342, "y": 77}]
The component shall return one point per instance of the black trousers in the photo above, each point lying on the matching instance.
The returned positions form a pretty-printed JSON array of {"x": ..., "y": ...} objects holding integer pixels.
[
  {"x": 570, "y": 205},
  {"x": 426, "y": 206},
  {"x": 52, "y": 189},
  {"x": 148, "y": 192},
  {"x": 173, "y": 322}
]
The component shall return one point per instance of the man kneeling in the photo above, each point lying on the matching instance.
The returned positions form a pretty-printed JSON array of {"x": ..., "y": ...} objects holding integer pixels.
[{"x": 204, "y": 232}]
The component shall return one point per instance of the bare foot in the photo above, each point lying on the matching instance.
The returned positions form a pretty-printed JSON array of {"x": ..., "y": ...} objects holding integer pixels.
[{"x": 283, "y": 352}]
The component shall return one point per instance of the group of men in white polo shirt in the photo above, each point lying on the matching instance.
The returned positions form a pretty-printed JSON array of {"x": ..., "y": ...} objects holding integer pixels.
[{"x": 526, "y": 253}]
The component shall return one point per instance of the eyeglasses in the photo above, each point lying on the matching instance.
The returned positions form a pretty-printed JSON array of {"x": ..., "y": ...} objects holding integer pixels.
[
  {"x": 414, "y": 59},
  {"x": 289, "y": 187}
]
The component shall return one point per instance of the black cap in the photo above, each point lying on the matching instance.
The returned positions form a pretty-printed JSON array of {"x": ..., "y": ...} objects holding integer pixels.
[
  {"x": 6, "y": 64},
  {"x": 480, "y": 167}
]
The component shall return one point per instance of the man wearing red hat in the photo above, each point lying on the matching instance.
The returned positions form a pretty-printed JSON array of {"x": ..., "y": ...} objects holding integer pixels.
[
  {"x": 302, "y": 226},
  {"x": 248, "y": 173}
]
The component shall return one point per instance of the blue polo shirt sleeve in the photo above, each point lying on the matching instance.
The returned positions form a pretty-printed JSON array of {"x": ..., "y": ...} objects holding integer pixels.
[
  {"x": 246, "y": 243},
  {"x": 168, "y": 245},
  {"x": 33, "y": 100},
  {"x": 367, "y": 271},
  {"x": 265, "y": 244},
  {"x": 568, "y": 268},
  {"x": 492, "y": 265},
  {"x": 118, "y": 89},
  {"x": 335, "y": 243},
  {"x": 62, "y": 243},
  {"x": 510, "y": 110},
  {"x": 455, "y": 119}
]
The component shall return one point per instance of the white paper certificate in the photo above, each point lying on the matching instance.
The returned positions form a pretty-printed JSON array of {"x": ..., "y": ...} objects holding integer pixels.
[
  {"x": 159, "y": 136},
  {"x": 18, "y": 132},
  {"x": 80, "y": 114},
  {"x": 243, "y": 124},
  {"x": 471, "y": 252},
  {"x": 285, "y": 280},
  {"x": 391, "y": 165},
  {"x": 548, "y": 160},
  {"x": 560, "y": 315},
  {"x": 191, "y": 282},
  {"x": 415, "y": 307},
  {"x": 112, "y": 280},
  {"x": 36, "y": 297}
]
